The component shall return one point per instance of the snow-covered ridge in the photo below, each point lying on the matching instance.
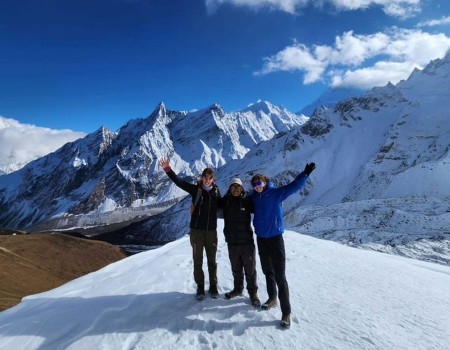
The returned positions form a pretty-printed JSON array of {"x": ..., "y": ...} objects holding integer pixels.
[
  {"x": 342, "y": 298},
  {"x": 416, "y": 227}
]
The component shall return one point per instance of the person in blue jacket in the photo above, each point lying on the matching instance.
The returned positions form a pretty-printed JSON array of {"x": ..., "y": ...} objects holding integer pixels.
[{"x": 269, "y": 228}]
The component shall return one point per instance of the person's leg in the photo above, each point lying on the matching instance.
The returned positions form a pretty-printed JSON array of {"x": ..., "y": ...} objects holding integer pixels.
[
  {"x": 211, "y": 251},
  {"x": 236, "y": 267},
  {"x": 279, "y": 264},
  {"x": 249, "y": 261},
  {"x": 197, "y": 243},
  {"x": 267, "y": 267}
]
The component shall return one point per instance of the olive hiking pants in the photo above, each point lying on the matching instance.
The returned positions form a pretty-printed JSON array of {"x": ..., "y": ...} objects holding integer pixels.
[{"x": 206, "y": 240}]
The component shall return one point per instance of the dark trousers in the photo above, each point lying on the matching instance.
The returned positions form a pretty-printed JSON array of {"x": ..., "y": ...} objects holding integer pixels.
[
  {"x": 206, "y": 240},
  {"x": 242, "y": 259},
  {"x": 273, "y": 263}
]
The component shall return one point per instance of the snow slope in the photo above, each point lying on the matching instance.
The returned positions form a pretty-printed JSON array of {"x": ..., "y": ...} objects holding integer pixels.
[{"x": 342, "y": 298}]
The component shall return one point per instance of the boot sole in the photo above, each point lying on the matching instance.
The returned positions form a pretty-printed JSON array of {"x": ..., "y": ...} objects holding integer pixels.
[{"x": 228, "y": 297}]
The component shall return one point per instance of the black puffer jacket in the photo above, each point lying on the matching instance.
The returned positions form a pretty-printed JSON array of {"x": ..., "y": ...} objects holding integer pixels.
[
  {"x": 204, "y": 216},
  {"x": 237, "y": 218}
]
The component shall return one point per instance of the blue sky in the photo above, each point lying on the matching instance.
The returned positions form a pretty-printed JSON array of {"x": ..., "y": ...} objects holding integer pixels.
[{"x": 81, "y": 64}]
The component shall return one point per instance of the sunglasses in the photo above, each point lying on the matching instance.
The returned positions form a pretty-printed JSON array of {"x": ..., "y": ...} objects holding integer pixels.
[
  {"x": 235, "y": 186},
  {"x": 257, "y": 183}
]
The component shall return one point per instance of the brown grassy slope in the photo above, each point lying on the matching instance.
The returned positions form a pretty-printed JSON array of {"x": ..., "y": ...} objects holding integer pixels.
[{"x": 35, "y": 263}]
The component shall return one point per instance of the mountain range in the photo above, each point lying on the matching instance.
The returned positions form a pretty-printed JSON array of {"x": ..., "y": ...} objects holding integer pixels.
[
  {"x": 106, "y": 170},
  {"x": 381, "y": 180}
]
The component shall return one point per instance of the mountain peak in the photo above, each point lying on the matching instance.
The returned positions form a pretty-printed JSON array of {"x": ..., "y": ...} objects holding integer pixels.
[
  {"x": 319, "y": 124},
  {"x": 159, "y": 111},
  {"x": 216, "y": 110},
  {"x": 102, "y": 130},
  {"x": 438, "y": 64},
  {"x": 262, "y": 106}
]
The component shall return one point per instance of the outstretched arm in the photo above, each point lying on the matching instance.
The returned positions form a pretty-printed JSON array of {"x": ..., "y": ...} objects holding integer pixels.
[
  {"x": 298, "y": 183},
  {"x": 309, "y": 168},
  {"x": 186, "y": 186}
]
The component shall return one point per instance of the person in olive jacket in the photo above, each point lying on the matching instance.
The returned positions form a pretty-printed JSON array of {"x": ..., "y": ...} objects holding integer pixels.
[
  {"x": 238, "y": 233},
  {"x": 203, "y": 226}
]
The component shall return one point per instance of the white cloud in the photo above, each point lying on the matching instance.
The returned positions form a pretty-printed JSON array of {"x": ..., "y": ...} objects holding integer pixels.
[
  {"x": 396, "y": 8},
  {"x": 435, "y": 22},
  {"x": 293, "y": 58},
  {"x": 282, "y": 5},
  {"x": 22, "y": 143},
  {"x": 377, "y": 75},
  {"x": 361, "y": 61},
  {"x": 401, "y": 9}
]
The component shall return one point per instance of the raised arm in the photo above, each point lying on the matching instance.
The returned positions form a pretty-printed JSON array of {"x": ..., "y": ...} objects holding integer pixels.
[
  {"x": 186, "y": 186},
  {"x": 297, "y": 184}
]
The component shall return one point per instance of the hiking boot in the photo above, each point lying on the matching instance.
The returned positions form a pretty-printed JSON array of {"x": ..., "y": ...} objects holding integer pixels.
[
  {"x": 255, "y": 300},
  {"x": 213, "y": 293},
  {"x": 233, "y": 294},
  {"x": 285, "y": 321},
  {"x": 269, "y": 304},
  {"x": 200, "y": 295}
]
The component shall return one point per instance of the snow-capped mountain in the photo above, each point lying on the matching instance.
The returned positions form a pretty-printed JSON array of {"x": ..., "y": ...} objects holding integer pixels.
[
  {"x": 381, "y": 181},
  {"x": 108, "y": 170}
]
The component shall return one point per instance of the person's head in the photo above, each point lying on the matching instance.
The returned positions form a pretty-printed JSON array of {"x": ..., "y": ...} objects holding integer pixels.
[
  {"x": 258, "y": 182},
  {"x": 236, "y": 189},
  {"x": 208, "y": 177}
]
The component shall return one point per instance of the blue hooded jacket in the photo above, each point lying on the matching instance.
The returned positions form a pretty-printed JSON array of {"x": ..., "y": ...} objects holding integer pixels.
[{"x": 268, "y": 214}]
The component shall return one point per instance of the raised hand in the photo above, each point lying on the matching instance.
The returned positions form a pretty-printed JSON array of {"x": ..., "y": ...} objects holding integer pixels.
[
  {"x": 164, "y": 162},
  {"x": 309, "y": 168}
]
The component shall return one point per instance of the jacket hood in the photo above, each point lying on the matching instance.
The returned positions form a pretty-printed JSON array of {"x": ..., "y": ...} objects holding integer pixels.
[{"x": 270, "y": 185}]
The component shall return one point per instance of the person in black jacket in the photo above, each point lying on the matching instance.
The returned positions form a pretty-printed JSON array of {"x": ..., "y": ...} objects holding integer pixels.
[
  {"x": 203, "y": 234},
  {"x": 239, "y": 236}
]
